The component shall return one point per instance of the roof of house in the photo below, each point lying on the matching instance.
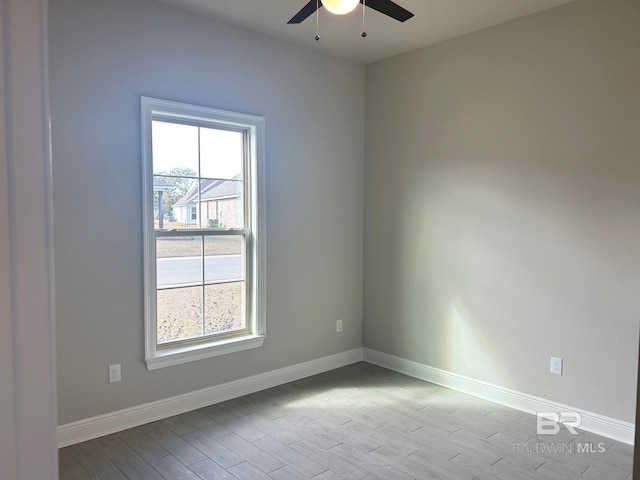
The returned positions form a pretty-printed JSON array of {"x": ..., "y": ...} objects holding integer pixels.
[
  {"x": 159, "y": 184},
  {"x": 212, "y": 190}
]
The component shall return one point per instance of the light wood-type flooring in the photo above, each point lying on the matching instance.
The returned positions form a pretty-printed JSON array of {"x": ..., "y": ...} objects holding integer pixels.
[{"x": 356, "y": 422}]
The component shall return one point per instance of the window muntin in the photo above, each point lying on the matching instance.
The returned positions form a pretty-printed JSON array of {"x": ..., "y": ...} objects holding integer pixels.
[{"x": 203, "y": 188}]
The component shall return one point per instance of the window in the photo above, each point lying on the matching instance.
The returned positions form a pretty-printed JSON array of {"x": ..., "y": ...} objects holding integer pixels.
[{"x": 204, "y": 251}]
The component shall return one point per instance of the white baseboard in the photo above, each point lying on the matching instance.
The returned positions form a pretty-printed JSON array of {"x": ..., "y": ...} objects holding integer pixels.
[
  {"x": 591, "y": 422},
  {"x": 106, "y": 424}
]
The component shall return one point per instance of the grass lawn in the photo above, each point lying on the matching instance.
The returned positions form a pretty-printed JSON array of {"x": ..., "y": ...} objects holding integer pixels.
[
  {"x": 192, "y": 246},
  {"x": 180, "y": 314}
]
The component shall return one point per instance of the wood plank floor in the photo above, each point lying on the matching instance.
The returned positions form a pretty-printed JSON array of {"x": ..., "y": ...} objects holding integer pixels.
[{"x": 357, "y": 422}]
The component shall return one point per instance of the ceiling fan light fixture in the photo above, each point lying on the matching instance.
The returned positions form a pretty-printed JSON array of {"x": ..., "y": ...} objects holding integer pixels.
[{"x": 340, "y": 7}]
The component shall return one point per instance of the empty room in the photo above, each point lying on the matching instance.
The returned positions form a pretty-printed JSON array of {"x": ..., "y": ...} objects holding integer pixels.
[{"x": 327, "y": 239}]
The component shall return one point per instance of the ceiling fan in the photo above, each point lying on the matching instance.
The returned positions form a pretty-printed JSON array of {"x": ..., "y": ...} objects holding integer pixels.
[{"x": 386, "y": 7}]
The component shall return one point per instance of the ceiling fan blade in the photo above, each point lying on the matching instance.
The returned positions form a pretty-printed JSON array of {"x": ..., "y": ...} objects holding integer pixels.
[
  {"x": 308, "y": 10},
  {"x": 390, "y": 8}
]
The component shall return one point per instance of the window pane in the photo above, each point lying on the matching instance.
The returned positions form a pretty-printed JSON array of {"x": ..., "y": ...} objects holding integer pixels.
[
  {"x": 224, "y": 307},
  {"x": 175, "y": 149},
  {"x": 223, "y": 259},
  {"x": 222, "y": 153},
  {"x": 222, "y": 204},
  {"x": 175, "y": 202},
  {"x": 179, "y": 261},
  {"x": 179, "y": 314}
]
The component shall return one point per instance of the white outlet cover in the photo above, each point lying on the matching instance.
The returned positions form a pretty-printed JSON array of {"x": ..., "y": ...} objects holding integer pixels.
[
  {"x": 114, "y": 373},
  {"x": 556, "y": 365},
  {"x": 339, "y": 325}
]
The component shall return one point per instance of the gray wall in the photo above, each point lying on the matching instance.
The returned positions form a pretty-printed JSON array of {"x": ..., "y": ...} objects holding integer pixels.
[
  {"x": 104, "y": 55},
  {"x": 502, "y": 199}
]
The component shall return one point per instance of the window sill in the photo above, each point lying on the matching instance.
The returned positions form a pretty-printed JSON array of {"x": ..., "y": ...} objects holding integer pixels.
[{"x": 184, "y": 354}]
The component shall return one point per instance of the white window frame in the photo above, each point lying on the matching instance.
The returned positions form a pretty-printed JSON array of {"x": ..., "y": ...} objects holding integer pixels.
[{"x": 254, "y": 126}]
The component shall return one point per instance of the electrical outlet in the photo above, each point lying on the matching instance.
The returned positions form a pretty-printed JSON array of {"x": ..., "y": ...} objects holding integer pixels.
[
  {"x": 556, "y": 365},
  {"x": 339, "y": 325},
  {"x": 114, "y": 373}
]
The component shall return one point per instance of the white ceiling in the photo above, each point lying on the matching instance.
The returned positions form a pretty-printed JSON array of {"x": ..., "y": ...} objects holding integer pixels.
[{"x": 434, "y": 21}]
